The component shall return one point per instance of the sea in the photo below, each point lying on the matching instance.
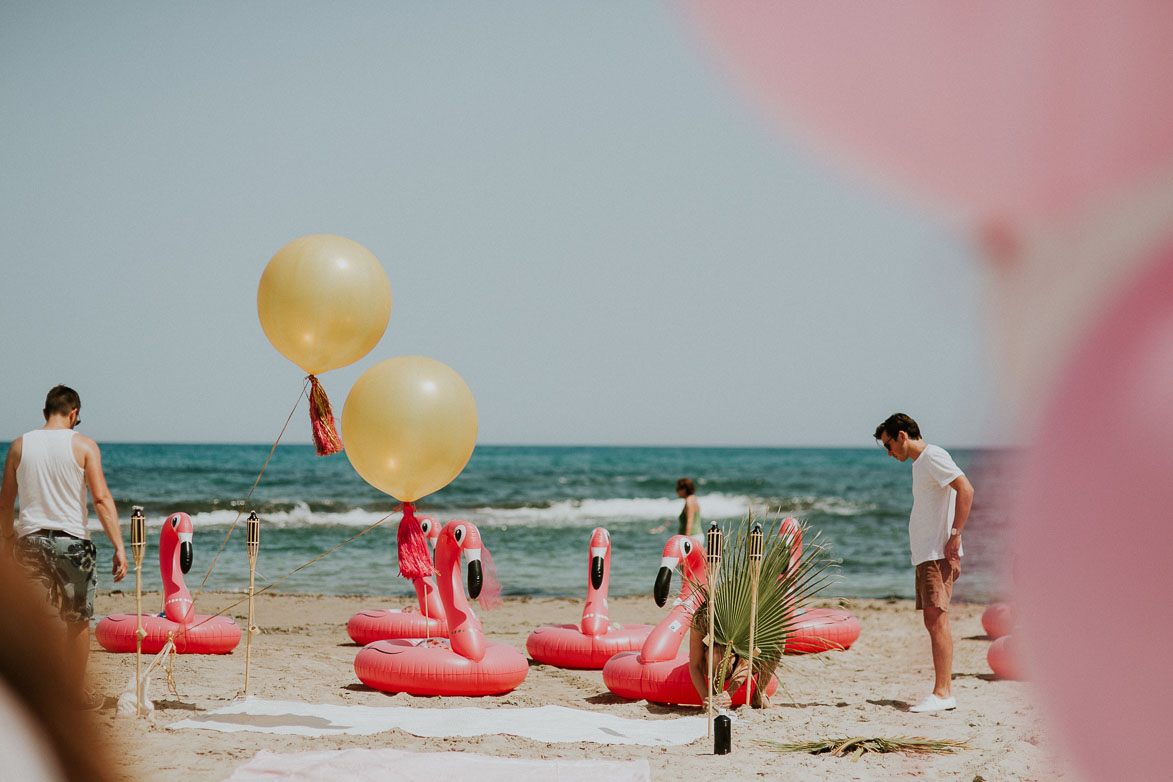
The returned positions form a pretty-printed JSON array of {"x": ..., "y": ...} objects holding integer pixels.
[{"x": 535, "y": 507}]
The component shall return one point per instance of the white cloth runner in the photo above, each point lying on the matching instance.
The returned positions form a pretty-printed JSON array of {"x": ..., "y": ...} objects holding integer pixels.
[
  {"x": 377, "y": 765},
  {"x": 544, "y": 723}
]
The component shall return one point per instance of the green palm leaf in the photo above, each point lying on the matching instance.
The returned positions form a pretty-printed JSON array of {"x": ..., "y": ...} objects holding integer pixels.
[{"x": 781, "y": 590}]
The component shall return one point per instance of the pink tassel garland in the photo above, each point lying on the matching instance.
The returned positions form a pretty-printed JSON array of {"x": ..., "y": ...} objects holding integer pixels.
[
  {"x": 414, "y": 561},
  {"x": 326, "y": 438}
]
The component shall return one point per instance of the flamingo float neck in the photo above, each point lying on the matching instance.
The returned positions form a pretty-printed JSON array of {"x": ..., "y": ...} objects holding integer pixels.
[
  {"x": 175, "y": 555},
  {"x": 664, "y": 641},
  {"x": 464, "y": 629},
  {"x": 425, "y": 586},
  {"x": 596, "y": 620}
]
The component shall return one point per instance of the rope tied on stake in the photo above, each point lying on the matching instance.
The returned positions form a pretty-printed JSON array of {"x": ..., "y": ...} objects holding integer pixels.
[{"x": 326, "y": 439}]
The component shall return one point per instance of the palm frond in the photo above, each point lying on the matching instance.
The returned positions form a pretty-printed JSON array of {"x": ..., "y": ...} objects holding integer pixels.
[
  {"x": 857, "y": 746},
  {"x": 781, "y": 591}
]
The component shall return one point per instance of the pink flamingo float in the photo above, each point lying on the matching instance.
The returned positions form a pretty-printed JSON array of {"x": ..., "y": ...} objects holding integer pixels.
[
  {"x": 815, "y": 630},
  {"x": 428, "y": 622},
  {"x": 193, "y": 633},
  {"x": 464, "y": 665},
  {"x": 659, "y": 671},
  {"x": 596, "y": 639}
]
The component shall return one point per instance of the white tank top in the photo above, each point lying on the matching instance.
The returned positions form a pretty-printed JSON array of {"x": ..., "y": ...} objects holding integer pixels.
[{"x": 51, "y": 484}]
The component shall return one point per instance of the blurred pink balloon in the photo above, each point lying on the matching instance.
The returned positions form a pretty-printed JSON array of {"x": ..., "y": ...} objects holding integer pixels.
[
  {"x": 998, "y": 109},
  {"x": 1096, "y": 526},
  {"x": 998, "y": 620},
  {"x": 1003, "y": 657}
]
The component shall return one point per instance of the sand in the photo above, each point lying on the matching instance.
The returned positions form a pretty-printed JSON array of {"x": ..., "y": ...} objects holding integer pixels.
[{"x": 304, "y": 654}]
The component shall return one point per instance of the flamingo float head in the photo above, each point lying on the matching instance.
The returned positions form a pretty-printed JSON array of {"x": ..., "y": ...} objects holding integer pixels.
[
  {"x": 177, "y": 529},
  {"x": 464, "y": 536},
  {"x": 679, "y": 550},
  {"x": 600, "y": 548},
  {"x": 431, "y": 529}
]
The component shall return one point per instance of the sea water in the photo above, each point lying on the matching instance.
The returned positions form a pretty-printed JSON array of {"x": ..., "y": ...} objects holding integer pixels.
[{"x": 535, "y": 507}]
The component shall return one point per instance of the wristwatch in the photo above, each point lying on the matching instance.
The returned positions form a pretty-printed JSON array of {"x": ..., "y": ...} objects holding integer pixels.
[{"x": 954, "y": 531}]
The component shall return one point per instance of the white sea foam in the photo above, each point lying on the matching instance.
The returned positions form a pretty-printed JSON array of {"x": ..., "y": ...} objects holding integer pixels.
[
  {"x": 580, "y": 512},
  {"x": 569, "y": 513}
]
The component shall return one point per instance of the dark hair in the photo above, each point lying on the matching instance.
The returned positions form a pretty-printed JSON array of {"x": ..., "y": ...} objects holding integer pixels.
[
  {"x": 687, "y": 484},
  {"x": 61, "y": 400},
  {"x": 897, "y": 423}
]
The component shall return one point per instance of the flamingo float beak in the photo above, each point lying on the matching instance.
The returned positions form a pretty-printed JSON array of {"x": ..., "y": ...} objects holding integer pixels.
[
  {"x": 597, "y": 560},
  {"x": 186, "y": 553},
  {"x": 475, "y": 577},
  {"x": 663, "y": 582}
]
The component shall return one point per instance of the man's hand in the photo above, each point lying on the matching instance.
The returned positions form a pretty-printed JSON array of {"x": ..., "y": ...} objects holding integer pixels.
[
  {"x": 119, "y": 560},
  {"x": 953, "y": 548}
]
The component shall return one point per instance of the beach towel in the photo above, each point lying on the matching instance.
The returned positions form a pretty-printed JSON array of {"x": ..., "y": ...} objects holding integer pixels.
[
  {"x": 544, "y": 723},
  {"x": 377, "y": 765}
]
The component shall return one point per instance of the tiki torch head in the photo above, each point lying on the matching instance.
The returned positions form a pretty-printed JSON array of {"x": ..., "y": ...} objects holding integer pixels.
[
  {"x": 138, "y": 535},
  {"x": 253, "y": 535},
  {"x": 713, "y": 546}
]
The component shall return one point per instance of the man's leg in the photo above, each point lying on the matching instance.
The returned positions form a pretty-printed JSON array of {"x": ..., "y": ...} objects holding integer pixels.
[{"x": 937, "y": 623}]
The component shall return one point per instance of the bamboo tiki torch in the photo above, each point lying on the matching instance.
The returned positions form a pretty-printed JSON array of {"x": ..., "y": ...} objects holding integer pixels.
[
  {"x": 755, "y": 570},
  {"x": 713, "y": 557},
  {"x": 253, "y": 544},
  {"x": 138, "y": 547}
]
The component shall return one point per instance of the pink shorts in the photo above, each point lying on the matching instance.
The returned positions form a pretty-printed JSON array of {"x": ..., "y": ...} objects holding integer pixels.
[{"x": 934, "y": 583}]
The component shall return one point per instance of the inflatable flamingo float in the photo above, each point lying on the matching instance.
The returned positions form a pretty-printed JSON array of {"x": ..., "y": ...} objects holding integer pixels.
[
  {"x": 464, "y": 665},
  {"x": 193, "y": 633},
  {"x": 376, "y": 625},
  {"x": 596, "y": 639},
  {"x": 659, "y": 671},
  {"x": 815, "y": 630}
]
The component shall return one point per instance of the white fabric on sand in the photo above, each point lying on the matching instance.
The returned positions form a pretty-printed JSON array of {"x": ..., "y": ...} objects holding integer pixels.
[
  {"x": 377, "y": 765},
  {"x": 544, "y": 723}
]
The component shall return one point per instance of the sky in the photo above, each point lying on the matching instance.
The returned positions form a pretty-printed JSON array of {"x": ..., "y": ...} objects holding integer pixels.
[{"x": 576, "y": 210}]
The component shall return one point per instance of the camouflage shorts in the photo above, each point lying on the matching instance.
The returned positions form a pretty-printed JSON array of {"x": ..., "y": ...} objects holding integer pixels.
[{"x": 64, "y": 568}]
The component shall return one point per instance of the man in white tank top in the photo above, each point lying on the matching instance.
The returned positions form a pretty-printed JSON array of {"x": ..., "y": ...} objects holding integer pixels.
[
  {"x": 941, "y": 499},
  {"x": 50, "y": 469}
]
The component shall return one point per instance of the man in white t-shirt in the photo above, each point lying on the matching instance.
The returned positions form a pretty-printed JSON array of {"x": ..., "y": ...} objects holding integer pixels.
[{"x": 941, "y": 499}]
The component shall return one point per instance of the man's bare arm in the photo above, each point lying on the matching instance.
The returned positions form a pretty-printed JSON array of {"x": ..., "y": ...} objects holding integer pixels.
[{"x": 104, "y": 504}]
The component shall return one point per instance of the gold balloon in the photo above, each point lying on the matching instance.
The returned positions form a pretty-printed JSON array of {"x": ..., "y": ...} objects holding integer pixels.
[
  {"x": 324, "y": 302},
  {"x": 410, "y": 426}
]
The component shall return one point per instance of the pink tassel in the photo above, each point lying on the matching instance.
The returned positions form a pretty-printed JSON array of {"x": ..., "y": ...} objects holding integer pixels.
[
  {"x": 326, "y": 438},
  {"x": 414, "y": 561}
]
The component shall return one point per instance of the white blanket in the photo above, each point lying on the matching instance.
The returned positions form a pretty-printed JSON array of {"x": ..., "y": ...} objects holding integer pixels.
[
  {"x": 545, "y": 723},
  {"x": 377, "y": 765}
]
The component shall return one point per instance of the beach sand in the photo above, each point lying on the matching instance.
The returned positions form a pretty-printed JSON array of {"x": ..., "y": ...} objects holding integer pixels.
[{"x": 304, "y": 654}]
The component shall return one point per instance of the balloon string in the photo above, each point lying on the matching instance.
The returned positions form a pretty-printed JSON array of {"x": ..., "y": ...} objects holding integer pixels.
[
  {"x": 292, "y": 572},
  {"x": 244, "y": 503}
]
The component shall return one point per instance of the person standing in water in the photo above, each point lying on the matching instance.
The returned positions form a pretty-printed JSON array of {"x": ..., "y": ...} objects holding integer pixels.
[{"x": 690, "y": 514}]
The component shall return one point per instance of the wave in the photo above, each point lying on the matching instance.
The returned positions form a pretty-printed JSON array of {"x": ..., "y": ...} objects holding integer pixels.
[{"x": 566, "y": 513}]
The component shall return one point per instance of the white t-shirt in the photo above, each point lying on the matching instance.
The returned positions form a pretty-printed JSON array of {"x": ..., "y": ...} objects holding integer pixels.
[{"x": 934, "y": 502}]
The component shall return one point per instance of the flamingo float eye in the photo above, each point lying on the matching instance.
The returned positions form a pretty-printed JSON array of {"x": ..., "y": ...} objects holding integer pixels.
[
  {"x": 459, "y": 533},
  {"x": 686, "y": 546},
  {"x": 175, "y": 521},
  {"x": 426, "y": 526}
]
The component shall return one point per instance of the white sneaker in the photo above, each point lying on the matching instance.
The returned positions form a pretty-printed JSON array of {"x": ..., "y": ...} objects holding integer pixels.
[{"x": 933, "y": 703}]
